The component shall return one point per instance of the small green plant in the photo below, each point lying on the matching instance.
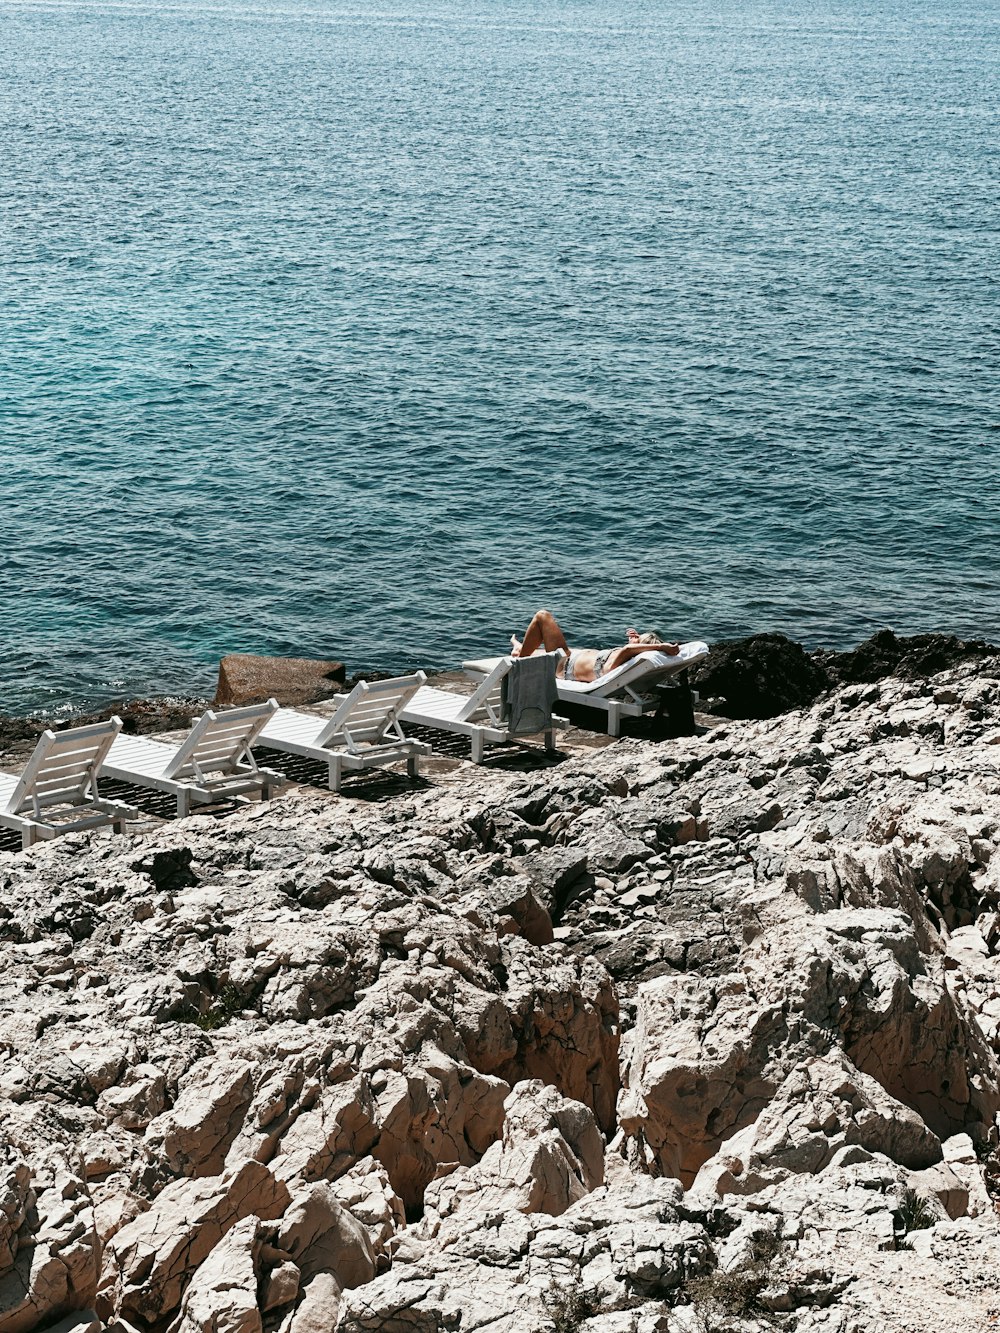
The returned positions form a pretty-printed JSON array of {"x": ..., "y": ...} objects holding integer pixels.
[
  {"x": 735, "y": 1294},
  {"x": 227, "y": 1004},
  {"x": 568, "y": 1307},
  {"x": 765, "y": 1248},
  {"x": 913, "y": 1214}
]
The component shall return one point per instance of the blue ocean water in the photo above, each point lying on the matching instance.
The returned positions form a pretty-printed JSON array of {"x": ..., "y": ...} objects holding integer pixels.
[{"x": 364, "y": 330}]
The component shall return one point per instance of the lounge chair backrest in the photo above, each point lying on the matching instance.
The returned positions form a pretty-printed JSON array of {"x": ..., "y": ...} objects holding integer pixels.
[
  {"x": 64, "y": 766},
  {"x": 370, "y": 713},
  {"x": 488, "y": 695},
  {"x": 220, "y": 742}
]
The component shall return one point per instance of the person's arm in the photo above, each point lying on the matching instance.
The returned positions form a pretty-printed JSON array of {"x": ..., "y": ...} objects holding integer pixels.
[{"x": 634, "y": 649}]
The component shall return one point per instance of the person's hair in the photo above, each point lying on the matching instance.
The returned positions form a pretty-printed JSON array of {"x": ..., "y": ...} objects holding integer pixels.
[{"x": 651, "y": 636}]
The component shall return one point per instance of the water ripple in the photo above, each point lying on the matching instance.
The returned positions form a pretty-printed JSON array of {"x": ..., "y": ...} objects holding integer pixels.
[{"x": 364, "y": 333}]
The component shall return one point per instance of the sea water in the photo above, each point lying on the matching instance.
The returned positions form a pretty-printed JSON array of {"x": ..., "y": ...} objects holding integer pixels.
[{"x": 363, "y": 330}]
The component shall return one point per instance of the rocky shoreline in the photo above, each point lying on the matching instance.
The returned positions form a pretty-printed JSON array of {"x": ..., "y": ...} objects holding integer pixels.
[
  {"x": 755, "y": 677},
  {"x": 661, "y": 1038}
]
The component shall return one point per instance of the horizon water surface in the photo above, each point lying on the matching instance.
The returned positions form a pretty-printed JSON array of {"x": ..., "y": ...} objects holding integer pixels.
[{"x": 363, "y": 330}]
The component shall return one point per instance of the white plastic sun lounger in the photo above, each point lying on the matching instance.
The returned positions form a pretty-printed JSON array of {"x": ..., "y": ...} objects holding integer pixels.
[
  {"x": 363, "y": 733},
  {"x": 212, "y": 763},
  {"x": 57, "y": 792},
  {"x": 478, "y": 715},
  {"x": 624, "y": 692}
]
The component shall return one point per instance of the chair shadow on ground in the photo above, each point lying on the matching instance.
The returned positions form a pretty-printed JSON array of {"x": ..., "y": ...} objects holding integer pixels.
[
  {"x": 658, "y": 725},
  {"x": 374, "y": 785},
  {"x": 519, "y": 758},
  {"x": 10, "y": 840}
]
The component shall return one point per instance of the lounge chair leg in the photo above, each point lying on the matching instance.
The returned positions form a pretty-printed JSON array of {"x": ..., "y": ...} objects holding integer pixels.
[
  {"x": 183, "y": 804},
  {"x": 411, "y": 767},
  {"x": 27, "y": 839},
  {"x": 614, "y": 721},
  {"x": 549, "y": 743},
  {"x": 477, "y": 747},
  {"x": 336, "y": 774}
]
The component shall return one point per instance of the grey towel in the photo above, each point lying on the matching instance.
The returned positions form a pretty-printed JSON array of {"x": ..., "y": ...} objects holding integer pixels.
[{"x": 528, "y": 692}]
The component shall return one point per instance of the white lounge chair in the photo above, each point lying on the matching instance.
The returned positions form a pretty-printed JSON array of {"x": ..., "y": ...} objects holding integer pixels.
[
  {"x": 212, "y": 763},
  {"x": 57, "y": 792},
  {"x": 363, "y": 733},
  {"x": 624, "y": 692},
  {"x": 478, "y": 715}
]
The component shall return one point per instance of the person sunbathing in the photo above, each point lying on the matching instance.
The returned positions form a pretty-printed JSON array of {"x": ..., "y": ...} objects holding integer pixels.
[{"x": 584, "y": 664}]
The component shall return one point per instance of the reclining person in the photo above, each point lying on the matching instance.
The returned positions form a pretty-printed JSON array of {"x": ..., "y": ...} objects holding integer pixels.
[{"x": 584, "y": 664}]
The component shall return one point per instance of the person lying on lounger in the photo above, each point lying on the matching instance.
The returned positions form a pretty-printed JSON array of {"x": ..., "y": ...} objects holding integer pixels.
[{"x": 584, "y": 664}]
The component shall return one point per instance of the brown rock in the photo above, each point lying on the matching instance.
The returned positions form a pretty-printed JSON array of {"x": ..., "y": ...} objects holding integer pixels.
[
  {"x": 319, "y": 1308},
  {"x": 551, "y": 1155},
  {"x": 941, "y": 1182},
  {"x": 149, "y": 1262},
  {"x": 708, "y": 1056},
  {"x": 282, "y": 1286},
  {"x": 331, "y": 1251},
  {"x": 823, "y": 1106},
  {"x": 247, "y": 679},
  {"x": 55, "y": 1268},
  {"x": 192, "y": 1137},
  {"x": 222, "y": 1295}
]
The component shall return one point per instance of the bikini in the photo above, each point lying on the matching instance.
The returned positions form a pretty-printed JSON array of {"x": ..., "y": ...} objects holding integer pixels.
[
  {"x": 600, "y": 661},
  {"x": 567, "y": 668},
  {"x": 570, "y": 663}
]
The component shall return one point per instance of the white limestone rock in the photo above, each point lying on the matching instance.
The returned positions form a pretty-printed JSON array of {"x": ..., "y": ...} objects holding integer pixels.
[
  {"x": 322, "y": 1064},
  {"x": 550, "y": 1155}
]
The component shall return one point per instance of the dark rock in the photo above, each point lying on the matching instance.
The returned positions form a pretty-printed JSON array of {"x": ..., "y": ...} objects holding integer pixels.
[
  {"x": 142, "y": 717},
  {"x": 500, "y": 830},
  {"x": 515, "y": 909},
  {"x": 16, "y": 729},
  {"x": 635, "y": 955},
  {"x": 759, "y": 677},
  {"x": 555, "y": 871},
  {"x": 169, "y": 868},
  {"x": 614, "y": 852},
  {"x": 370, "y": 675},
  {"x": 911, "y": 658}
]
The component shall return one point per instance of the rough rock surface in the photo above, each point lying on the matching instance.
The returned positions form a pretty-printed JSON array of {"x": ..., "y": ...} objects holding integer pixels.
[
  {"x": 659, "y": 1039},
  {"x": 909, "y": 658},
  {"x": 247, "y": 679},
  {"x": 766, "y": 674},
  {"x": 761, "y": 676}
]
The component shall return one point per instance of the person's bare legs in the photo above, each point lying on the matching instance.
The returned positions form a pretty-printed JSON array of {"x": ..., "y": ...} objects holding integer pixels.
[{"x": 543, "y": 632}]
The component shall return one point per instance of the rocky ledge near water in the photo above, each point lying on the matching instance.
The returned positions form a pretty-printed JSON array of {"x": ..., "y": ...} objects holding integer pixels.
[
  {"x": 666, "y": 1038},
  {"x": 754, "y": 677}
]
